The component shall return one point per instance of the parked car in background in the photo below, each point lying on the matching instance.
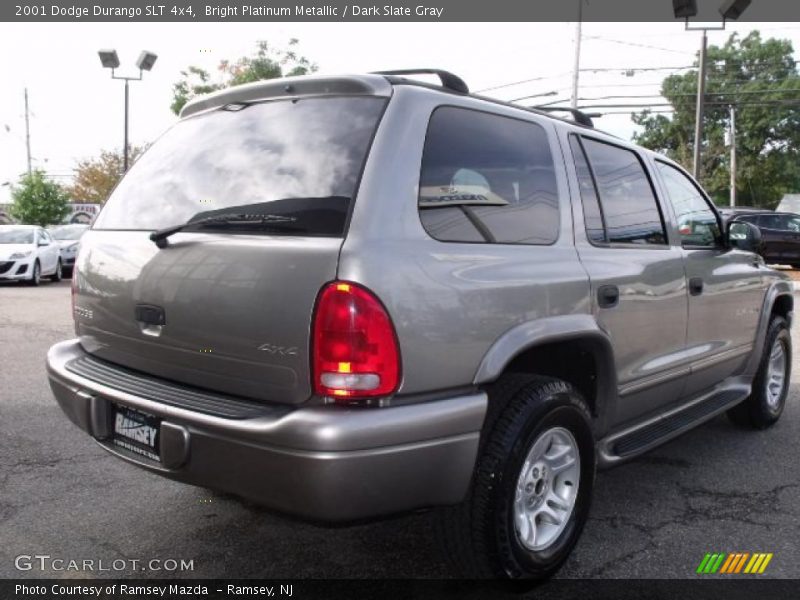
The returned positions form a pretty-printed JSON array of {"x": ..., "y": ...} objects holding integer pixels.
[
  {"x": 67, "y": 237},
  {"x": 28, "y": 253},
  {"x": 780, "y": 234}
]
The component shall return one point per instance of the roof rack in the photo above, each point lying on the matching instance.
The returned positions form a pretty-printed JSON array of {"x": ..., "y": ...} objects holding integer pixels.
[
  {"x": 579, "y": 116},
  {"x": 454, "y": 83},
  {"x": 449, "y": 80}
]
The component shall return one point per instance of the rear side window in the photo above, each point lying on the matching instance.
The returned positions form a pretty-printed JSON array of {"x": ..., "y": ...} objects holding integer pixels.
[
  {"x": 487, "y": 179},
  {"x": 300, "y": 159},
  {"x": 627, "y": 204}
]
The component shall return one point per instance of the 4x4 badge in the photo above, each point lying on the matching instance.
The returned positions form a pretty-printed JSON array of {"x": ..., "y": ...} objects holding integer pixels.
[{"x": 282, "y": 350}]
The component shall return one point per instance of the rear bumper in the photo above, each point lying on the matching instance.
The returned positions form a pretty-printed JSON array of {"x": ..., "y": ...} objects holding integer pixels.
[{"x": 324, "y": 463}]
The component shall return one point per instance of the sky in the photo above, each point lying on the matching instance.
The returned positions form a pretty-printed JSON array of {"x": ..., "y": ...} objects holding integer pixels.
[{"x": 76, "y": 109}]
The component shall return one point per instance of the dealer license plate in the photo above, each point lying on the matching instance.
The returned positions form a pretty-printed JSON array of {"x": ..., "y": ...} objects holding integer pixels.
[{"x": 137, "y": 432}]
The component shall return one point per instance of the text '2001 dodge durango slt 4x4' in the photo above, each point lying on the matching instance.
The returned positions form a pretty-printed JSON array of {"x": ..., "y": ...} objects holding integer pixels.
[{"x": 347, "y": 297}]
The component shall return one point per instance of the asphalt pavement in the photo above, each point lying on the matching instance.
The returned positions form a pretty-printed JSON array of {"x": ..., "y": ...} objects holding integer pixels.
[{"x": 715, "y": 489}]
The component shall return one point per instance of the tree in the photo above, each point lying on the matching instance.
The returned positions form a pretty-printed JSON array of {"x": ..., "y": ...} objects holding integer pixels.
[
  {"x": 95, "y": 178},
  {"x": 760, "y": 79},
  {"x": 38, "y": 200},
  {"x": 267, "y": 63}
]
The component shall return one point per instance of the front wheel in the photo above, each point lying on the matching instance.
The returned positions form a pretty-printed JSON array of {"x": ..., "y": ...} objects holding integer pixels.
[
  {"x": 36, "y": 275},
  {"x": 532, "y": 488},
  {"x": 767, "y": 399}
]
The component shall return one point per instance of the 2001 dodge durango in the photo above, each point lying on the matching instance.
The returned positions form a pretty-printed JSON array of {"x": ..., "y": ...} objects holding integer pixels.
[{"x": 345, "y": 297}]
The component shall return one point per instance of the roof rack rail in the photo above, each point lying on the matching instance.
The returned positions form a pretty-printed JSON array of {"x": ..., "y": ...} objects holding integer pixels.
[
  {"x": 579, "y": 116},
  {"x": 449, "y": 80}
]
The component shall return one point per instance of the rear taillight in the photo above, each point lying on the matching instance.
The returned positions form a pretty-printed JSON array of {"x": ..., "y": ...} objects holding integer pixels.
[{"x": 354, "y": 346}]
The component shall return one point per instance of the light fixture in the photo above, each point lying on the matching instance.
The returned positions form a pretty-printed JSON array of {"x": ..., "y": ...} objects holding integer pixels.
[
  {"x": 108, "y": 58},
  {"x": 146, "y": 60},
  {"x": 733, "y": 9},
  {"x": 684, "y": 9}
]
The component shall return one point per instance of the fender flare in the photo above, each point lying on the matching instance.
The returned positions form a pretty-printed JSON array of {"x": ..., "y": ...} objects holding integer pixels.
[
  {"x": 776, "y": 290},
  {"x": 566, "y": 328}
]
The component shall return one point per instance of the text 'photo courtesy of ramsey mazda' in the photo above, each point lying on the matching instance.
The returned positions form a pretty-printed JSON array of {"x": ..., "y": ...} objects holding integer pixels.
[{"x": 348, "y": 297}]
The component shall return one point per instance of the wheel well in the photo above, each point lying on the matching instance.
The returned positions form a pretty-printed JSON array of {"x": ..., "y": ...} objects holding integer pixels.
[
  {"x": 783, "y": 305},
  {"x": 582, "y": 363}
]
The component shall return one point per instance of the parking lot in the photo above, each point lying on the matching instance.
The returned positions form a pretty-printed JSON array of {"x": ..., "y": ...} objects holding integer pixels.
[{"x": 716, "y": 489}]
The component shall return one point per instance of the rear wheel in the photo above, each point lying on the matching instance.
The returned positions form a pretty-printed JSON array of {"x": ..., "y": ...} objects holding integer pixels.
[
  {"x": 56, "y": 277},
  {"x": 532, "y": 488},
  {"x": 765, "y": 404}
]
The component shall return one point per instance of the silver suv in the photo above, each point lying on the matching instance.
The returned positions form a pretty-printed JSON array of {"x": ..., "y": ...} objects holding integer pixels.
[{"x": 346, "y": 297}]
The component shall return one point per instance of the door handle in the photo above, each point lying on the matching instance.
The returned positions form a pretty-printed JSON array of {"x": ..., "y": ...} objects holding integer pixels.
[
  {"x": 696, "y": 286},
  {"x": 607, "y": 296}
]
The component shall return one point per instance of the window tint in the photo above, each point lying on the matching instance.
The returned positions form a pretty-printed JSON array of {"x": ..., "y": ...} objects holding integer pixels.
[
  {"x": 746, "y": 218},
  {"x": 296, "y": 158},
  {"x": 592, "y": 216},
  {"x": 487, "y": 178},
  {"x": 780, "y": 222},
  {"x": 628, "y": 204},
  {"x": 697, "y": 223}
]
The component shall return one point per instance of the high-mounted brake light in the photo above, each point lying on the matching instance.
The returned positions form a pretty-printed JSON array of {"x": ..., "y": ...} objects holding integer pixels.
[{"x": 354, "y": 346}]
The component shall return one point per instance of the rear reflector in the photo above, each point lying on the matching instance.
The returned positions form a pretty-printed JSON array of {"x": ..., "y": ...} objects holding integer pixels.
[{"x": 354, "y": 346}]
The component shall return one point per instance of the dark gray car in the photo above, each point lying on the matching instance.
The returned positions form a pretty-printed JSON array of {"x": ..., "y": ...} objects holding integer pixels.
[{"x": 346, "y": 297}]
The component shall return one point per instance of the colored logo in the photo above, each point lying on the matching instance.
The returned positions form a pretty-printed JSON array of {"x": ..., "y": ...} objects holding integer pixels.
[{"x": 737, "y": 562}]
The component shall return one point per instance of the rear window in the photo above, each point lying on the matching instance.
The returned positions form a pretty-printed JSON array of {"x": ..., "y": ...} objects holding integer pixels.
[{"x": 299, "y": 158}]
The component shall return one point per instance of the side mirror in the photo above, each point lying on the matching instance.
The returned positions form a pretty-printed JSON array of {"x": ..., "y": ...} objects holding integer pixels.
[
  {"x": 744, "y": 236},
  {"x": 43, "y": 243}
]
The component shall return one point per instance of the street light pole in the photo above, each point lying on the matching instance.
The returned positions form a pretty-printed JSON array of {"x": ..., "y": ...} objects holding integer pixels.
[
  {"x": 685, "y": 9},
  {"x": 701, "y": 93},
  {"x": 145, "y": 62},
  {"x": 125, "y": 137},
  {"x": 733, "y": 154}
]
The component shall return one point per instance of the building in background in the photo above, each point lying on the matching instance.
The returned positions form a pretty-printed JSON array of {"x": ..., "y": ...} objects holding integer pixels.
[
  {"x": 789, "y": 203},
  {"x": 79, "y": 213}
]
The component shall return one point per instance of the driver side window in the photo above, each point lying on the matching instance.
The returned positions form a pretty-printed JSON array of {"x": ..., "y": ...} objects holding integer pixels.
[{"x": 697, "y": 222}]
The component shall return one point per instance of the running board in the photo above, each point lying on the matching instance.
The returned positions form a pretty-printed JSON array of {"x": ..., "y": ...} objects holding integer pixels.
[{"x": 643, "y": 437}]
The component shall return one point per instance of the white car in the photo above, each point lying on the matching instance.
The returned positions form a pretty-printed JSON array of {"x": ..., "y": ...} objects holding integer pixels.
[
  {"x": 28, "y": 253},
  {"x": 68, "y": 239}
]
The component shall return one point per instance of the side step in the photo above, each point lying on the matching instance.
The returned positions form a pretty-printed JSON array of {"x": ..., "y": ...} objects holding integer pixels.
[{"x": 641, "y": 438}]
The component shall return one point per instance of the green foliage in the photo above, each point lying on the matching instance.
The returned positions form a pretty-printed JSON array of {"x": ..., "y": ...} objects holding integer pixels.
[
  {"x": 38, "y": 200},
  {"x": 267, "y": 63},
  {"x": 760, "y": 78},
  {"x": 95, "y": 178}
]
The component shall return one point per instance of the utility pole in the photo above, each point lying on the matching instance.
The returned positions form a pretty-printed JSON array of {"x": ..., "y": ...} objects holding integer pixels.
[
  {"x": 733, "y": 154},
  {"x": 577, "y": 64},
  {"x": 701, "y": 93},
  {"x": 27, "y": 132}
]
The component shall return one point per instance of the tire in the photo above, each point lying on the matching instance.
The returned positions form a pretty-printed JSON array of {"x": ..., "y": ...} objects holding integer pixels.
[
  {"x": 56, "y": 277},
  {"x": 36, "y": 274},
  {"x": 765, "y": 404},
  {"x": 483, "y": 536}
]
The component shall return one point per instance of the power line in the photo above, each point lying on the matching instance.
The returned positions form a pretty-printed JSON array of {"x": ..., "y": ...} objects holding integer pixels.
[
  {"x": 513, "y": 83},
  {"x": 636, "y": 45},
  {"x": 789, "y": 103},
  {"x": 739, "y": 92}
]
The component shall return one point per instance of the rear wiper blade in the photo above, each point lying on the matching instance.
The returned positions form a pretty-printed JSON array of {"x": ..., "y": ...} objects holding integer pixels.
[{"x": 233, "y": 219}]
